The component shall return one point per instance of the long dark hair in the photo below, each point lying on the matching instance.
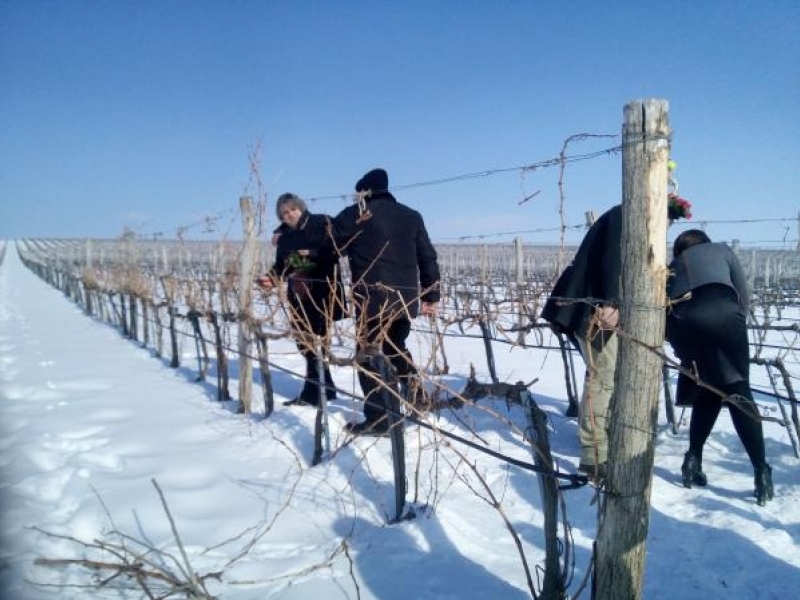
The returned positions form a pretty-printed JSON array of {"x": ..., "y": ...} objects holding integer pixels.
[{"x": 689, "y": 238}]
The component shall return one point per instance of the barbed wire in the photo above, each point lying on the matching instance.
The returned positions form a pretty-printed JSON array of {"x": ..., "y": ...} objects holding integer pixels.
[
  {"x": 210, "y": 221},
  {"x": 543, "y": 164},
  {"x": 481, "y": 236},
  {"x": 535, "y": 166},
  {"x": 694, "y": 224}
]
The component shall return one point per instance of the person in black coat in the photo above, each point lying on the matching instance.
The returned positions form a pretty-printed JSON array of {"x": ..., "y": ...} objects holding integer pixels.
[
  {"x": 306, "y": 260},
  {"x": 584, "y": 306},
  {"x": 707, "y": 328},
  {"x": 391, "y": 257}
]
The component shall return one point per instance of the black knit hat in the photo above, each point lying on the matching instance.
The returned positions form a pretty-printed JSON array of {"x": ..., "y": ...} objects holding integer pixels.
[{"x": 376, "y": 180}]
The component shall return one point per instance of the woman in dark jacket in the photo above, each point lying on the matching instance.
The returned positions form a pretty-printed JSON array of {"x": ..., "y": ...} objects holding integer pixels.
[
  {"x": 306, "y": 260},
  {"x": 707, "y": 328}
]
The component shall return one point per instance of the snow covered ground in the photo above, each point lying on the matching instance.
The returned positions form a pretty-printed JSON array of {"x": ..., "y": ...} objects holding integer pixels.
[{"x": 90, "y": 419}]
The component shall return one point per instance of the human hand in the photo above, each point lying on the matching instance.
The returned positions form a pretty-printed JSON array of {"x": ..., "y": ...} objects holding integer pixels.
[
  {"x": 265, "y": 282},
  {"x": 429, "y": 309},
  {"x": 608, "y": 317}
]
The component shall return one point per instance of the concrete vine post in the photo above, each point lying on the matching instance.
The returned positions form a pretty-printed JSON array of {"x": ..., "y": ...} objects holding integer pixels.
[
  {"x": 247, "y": 266},
  {"x": 624, "y": 521}
]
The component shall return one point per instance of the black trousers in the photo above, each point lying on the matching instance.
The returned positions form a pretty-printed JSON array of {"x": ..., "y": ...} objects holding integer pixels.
[
  {"x": 310, "y": 391},
  {"x": 393, "y": 347},
  {"x": 744, "y": 414},
  {"x": 307, "y": 318}
]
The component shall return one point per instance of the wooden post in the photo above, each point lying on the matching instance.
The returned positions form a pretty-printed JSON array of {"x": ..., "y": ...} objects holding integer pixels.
[
  {"x": 133, "y": 314},
  {"x": 624, "y": 521},
  {"x": 175, "y": 360},
  {"x": 145, "y": 321},
  {"x": 555, "y": 550},
  {"x": 484, "y": 264},
  {"x": 520, "y": 277},
  {"x": 123, "y": 319},
  {"x": 247, "y": 266}
]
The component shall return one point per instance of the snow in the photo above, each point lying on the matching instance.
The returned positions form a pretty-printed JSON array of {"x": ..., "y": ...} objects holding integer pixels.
[{"x": 90, "y": 420}]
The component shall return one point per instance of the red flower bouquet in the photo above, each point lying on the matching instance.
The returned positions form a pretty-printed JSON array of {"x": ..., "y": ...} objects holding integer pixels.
[{"x": 678, "y": 208}]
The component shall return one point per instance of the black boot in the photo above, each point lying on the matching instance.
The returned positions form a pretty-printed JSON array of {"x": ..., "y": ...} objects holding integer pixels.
[
  {"x": 764, "y": 488},
  {"x": 692, "y": 471}
]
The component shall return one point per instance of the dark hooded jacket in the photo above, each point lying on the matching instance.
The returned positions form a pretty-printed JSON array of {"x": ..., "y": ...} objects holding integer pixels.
[
  {"x": 390, "y": 254},
  {"x": 595, "y": 273}
]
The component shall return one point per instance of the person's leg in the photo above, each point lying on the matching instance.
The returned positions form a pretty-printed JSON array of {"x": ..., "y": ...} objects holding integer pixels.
[
  {"x": 320, "y": 325},
  {"x": 747, "y": 421},
  {"x": 400, "y": 365},
  {"x": 597, "y": 391},
  {"x": 705, "y": 410},
  {"x": 368, "y": 373},
  {"x": 369, "y": 380},
  {"x": 748, "y": 425},
  {"x": 411, "y": 387},
  {"x": 310, "y": 393},
  {"x": 394, "y": 348},
  {"x": 307, "y": 324}
]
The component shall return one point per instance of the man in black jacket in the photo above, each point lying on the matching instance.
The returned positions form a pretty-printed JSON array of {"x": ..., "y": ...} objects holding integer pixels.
[
  {"x": 584, "y": 306},
  {"x": 391, "y": 257}
]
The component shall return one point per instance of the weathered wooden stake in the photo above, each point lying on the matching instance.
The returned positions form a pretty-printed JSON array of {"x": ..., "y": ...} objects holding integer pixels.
[
  {"x": 625, "y": 517},
  {"x": 519, "y": 263},
  {"x": 247, "y": 266}
]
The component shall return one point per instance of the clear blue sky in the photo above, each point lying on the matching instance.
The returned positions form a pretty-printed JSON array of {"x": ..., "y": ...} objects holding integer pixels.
[{"x": 143, "y": 114}]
